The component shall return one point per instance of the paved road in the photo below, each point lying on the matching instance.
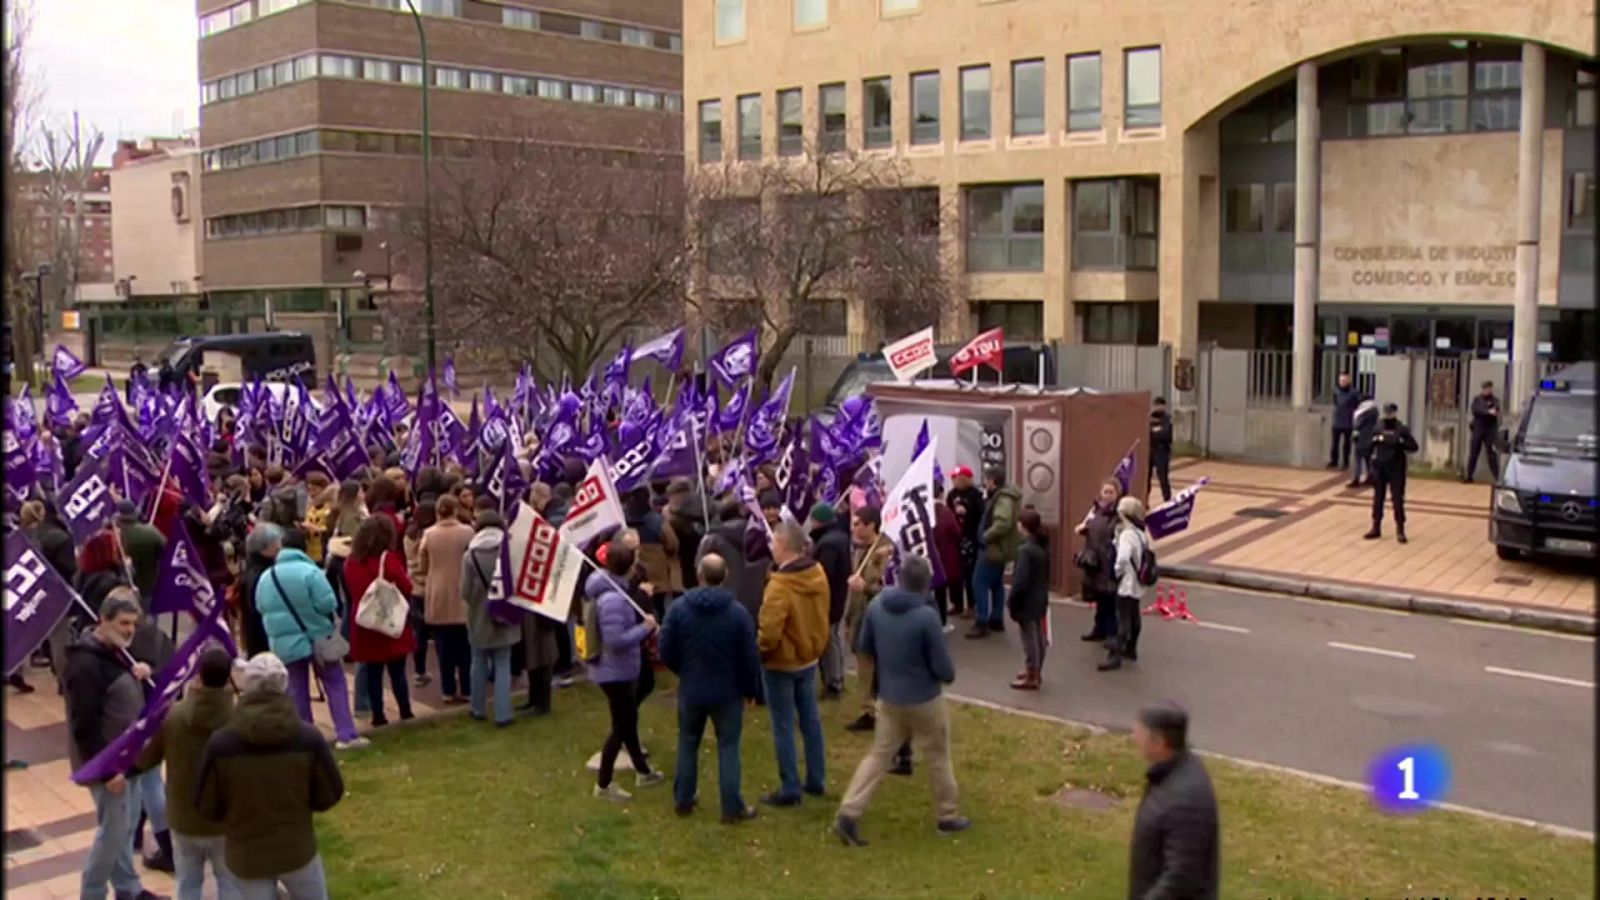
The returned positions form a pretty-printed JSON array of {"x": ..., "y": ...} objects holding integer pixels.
[{"x": 1323, "y": 687}]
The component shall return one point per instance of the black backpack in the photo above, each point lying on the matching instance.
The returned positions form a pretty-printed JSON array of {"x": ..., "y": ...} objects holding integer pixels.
[{"x": 1148, "y": 572}]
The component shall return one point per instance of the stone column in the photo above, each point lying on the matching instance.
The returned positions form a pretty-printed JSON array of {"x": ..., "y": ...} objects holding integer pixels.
[
  {"x": 1307, "y": 201},
  {"x": 1530, "y": 172}
]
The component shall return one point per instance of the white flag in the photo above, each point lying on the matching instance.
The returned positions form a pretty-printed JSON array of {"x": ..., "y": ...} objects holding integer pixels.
[
  {"x": 911, "y": 355},
  {"x": 543, "y": 567},
  {"x": 908, "y": 512},
  {"x": 595, "y": 506}
]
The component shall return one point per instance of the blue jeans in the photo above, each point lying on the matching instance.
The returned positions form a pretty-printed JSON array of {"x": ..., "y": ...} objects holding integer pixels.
[
  {"x": 152, "y": 799},
  {"x": 989, "y": 592},
  {"x": 305, "y": 883},
  {"x": 111, "y": 854},
  {"x": 790, "y": 694},
  {"x": 728, "y": 720},
  {"x": 362, "y": 704},
  {"x": 500, "y": 658},
  {"x": 189, "y": 856}
]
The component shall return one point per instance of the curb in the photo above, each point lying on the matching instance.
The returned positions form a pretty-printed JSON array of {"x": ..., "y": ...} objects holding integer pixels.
[{"x": 1546, "y": 620}]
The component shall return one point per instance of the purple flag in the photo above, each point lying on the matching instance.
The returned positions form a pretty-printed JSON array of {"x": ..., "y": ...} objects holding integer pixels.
[
  {"x": 666, "y": 350},
  {"x": 86, "y": 504},
  {"x": 1123, "y": 473},
  {"x": 24, "y": 417},
  {"x": 36, "y": 599},
  {"x": 1173, "y": 516},
  {"x": 118, "y": 756},
  {"x": 633, "y": 465},
  {"x": 731, "y": 416},
  {"x": 505, "y": 482},
  {"x": 48, "y": 467},
  {"x": 614, "y": 382},
  {"x": 868, "y": 479},
  {"x": 59, "y": 404},
  {"x": 181, "y": 582},
  {"x": 732, "y": 474},
  {"x": 737, "y": 360},
  {"x": 679, "y": 456},
  {"x": 394, "y": 403},
  {"x": 793, "y": 478},
  {"x": 920, "y": 445},
  {"x": 66, "y": 365},
  {"x": 757, "y": 533},
  {"x": 20, "y": 474},
  {"x": 766, "y": 424},
  {"x": 189, "y": 469},
  {"x": 449, "y": 376}
]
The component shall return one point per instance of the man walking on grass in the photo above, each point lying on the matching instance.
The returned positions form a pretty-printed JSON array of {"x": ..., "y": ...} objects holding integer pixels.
[
  {"x": 901, "y": 633},
  {"x": 793, "y": 633},
  {"x": 1176, "y": 851},
  {"x": 709, "y": 642}
]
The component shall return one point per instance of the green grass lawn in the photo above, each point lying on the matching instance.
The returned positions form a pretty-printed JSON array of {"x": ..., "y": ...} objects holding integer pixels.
[{"x": 458, "y": 809}]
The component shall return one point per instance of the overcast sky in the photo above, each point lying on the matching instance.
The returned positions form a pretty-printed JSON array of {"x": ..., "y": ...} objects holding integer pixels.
[{"x": 126, "y": 66}]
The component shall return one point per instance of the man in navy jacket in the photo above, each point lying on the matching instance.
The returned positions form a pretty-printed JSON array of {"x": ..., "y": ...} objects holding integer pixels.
[{"x": 709, "y": 642}]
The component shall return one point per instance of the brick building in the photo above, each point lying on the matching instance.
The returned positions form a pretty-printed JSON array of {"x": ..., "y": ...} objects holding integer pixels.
[
  {"x": 49, "y": 242},
  {"x": 311, "y": 118}
]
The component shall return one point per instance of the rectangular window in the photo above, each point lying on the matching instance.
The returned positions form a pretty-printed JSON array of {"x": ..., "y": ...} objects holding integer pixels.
[
  {"x": 710, "y": 131},
  {"x": 245, "y": 82},
  {"x": 925, "y": 108},
  {"x": 1083, "y": 92},
  {"x": 730, "y": 20},
  {"x": 266, "y": 150},
  {"x": 307, "y": 142},
  {"x": 590, "y": 29},
  {"x": 1244, "y": 208},
  {"x": 810, "y": 13},
  {"x": 377, "y": 70},
  {"x": 891, "y": 7},
  {"x": 339, "y": 67},
  {"x": 305, "y": 67},
  {"x": 1580, "y": 202},
  {"x": 551, "y": 89},
  {"x": 1027, "y": 97},
  {"x": 831, "y": 108},
  {"x": 374, "y": 142},
  {"x": 749, "y": 109},
  {"x": 481, "y": 81},
  {"x": 646, "y": 100},
  {"x": 637, "y": 37},
  {"x": 345, "y": 217},
  {"x": 1023, "y": 320},
  {"x": 975, "y": 117},
  {"x": 791, "y": 122},
  {"x": 1005, "y": 228},
  {"x": 410, "y": 73},
  {"x": 336, "y": 141},
  {"x": 1436, "y": 89},
  {"x": 264, "y": 78},
  {"x": 268, "y": 7},
  {"x": 876, "y": 114},
  {"x": 585, "y": 93},
  {"x": 1496, "y": 90},
  {"x": 283, "y": 72},
  {"x": 446, "y": 77},
  {"x": 1283, "y": 207},
  {"x": 1142, "y": 83},
  {"x": 1581, "y": 112},
  {"x": 518, "y": 18},
  {"x": 517, "y": 85}
]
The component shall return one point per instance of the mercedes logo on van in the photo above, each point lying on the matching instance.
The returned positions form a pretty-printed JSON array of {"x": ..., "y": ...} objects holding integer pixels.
[{"x": 1571, "y": 511}]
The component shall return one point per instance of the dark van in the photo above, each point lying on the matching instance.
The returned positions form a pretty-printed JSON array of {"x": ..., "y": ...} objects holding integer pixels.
[
  {"x": 273, "y": 355},
  {"x": 1545, "y": 502},
  {"x": 1021, "y": 366}
]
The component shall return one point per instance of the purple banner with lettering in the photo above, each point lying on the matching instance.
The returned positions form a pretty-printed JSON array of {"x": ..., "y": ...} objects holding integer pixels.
[{"x": 36, "y": 599}]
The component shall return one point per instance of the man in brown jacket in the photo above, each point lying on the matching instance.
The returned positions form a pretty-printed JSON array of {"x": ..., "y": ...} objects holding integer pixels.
[
  {"x": 791, "y": 636},
  {"x": 867, "y": 564}
]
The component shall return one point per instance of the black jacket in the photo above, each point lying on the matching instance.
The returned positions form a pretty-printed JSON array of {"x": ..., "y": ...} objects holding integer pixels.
[
  {"x": 103, "y": 699},
  {"x": 968, "y": 506},
  {"x": 1029, "y": 598},
  {"x": 1366, "y": 421},
  {"x": 1177, "y": 850},
  {"x": 1485, "y": 414},
  {"x": 55, "y": 545},
  {"x": 1389, "y": 449},
  {"x": 1099, "y": 554},
  {"x": 831, "y": 549},
  {"x": 1345, "y": 401},
  {"x": 1160, "y": 433}
]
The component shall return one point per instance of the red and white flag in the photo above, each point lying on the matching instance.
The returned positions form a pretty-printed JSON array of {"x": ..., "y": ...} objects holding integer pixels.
[
  {"x": 596, "y": 508},
  {"x": 987, "y": 349},
  {"x": 911, "y": 355},
  {"x": 539, "y": 567}
]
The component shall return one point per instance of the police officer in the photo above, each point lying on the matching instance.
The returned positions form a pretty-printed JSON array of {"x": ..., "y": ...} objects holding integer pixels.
[
  {"x": 1390, "y": 444},
  {"x": 1485, "y": 425},
  {"x": 1161, "y": 445}
]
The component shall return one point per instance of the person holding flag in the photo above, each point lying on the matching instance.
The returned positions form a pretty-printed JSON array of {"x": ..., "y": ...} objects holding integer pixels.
[
  {"x": 617, "y": 670},
  {"x": 1029, "y": 601}
]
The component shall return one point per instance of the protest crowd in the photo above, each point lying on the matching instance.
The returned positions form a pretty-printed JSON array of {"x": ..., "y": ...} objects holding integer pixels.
[{"x": 316, "y": 548}]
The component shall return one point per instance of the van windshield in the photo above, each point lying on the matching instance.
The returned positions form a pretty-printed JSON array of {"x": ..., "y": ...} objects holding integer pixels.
[
  {"x": 174, "y": 353},
  {"x": 1561, "y": 421}
]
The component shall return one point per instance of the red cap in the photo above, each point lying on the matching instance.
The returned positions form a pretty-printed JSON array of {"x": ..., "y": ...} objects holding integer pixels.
[{"x": 961, "y": 472}]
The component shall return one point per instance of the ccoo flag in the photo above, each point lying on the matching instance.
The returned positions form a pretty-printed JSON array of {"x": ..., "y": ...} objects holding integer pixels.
[
  {"x": 908, "y": 513},
  {"x": 539, "y": 568}
]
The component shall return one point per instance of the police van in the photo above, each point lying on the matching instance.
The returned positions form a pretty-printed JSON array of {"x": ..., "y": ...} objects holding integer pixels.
[{"x": 1545, "y": 501}]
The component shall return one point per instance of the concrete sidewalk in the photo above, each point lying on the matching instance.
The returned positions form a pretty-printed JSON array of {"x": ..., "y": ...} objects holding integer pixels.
[{"x": 1300, "y": 531}]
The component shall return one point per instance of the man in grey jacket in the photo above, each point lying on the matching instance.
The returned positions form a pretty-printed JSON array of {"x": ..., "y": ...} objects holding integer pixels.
[
  {"x": 1176, "y": 851},
  {"x": 902, "y": 634}
]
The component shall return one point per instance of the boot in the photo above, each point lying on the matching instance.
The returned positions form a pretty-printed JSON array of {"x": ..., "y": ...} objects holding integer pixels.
[
  {"x": 1112, "y": 663},
  {"x": 161, "y": 860},
  {"x": 1374, "y": 534},
  {"x": 1400, "y": 533},
  {"x": 1027, "y": 681},
  {"x": 978, "y": 632}
]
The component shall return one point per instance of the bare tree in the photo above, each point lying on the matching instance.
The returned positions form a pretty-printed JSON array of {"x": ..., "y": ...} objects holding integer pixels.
[
  {"x": 67, "y": 155},
  {"x": 787, "y": 242},
  {"x": 21, "y": 97},
  {"x": 548, "y": 249}
]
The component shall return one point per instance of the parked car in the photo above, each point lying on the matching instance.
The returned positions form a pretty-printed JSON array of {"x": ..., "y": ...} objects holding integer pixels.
[
  {"x": 272, "y": 355},
  {"x": 225, "y": 396},
  {"x": 1545, "y": 501}
]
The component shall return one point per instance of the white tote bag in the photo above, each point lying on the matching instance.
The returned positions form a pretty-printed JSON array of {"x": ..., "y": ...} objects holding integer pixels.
[{"x": 383, "y": 608}]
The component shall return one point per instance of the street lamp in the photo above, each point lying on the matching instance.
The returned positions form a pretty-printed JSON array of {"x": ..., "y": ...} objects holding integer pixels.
[{"x": 427, "y": 187}]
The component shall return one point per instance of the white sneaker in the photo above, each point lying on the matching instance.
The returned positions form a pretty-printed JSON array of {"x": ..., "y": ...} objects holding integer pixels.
[
  {"x": 948, "y": 628},
  {"x": 612, "y": 792},
  {"x": 356, "y": 744},
  {"x": 651, "y": 779}
]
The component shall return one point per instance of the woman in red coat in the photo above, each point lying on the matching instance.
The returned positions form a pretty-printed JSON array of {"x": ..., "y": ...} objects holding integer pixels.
[
  {"x": 370, "y": 553},
  {"x": 947, "y": 543}
]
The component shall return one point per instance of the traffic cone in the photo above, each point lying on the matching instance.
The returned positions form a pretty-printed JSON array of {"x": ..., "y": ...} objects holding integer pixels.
[
  {"x": 1160, "y": 606},
  {"x": 1181, "y": 610},
  {"x": 1170, "y": 612}
]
